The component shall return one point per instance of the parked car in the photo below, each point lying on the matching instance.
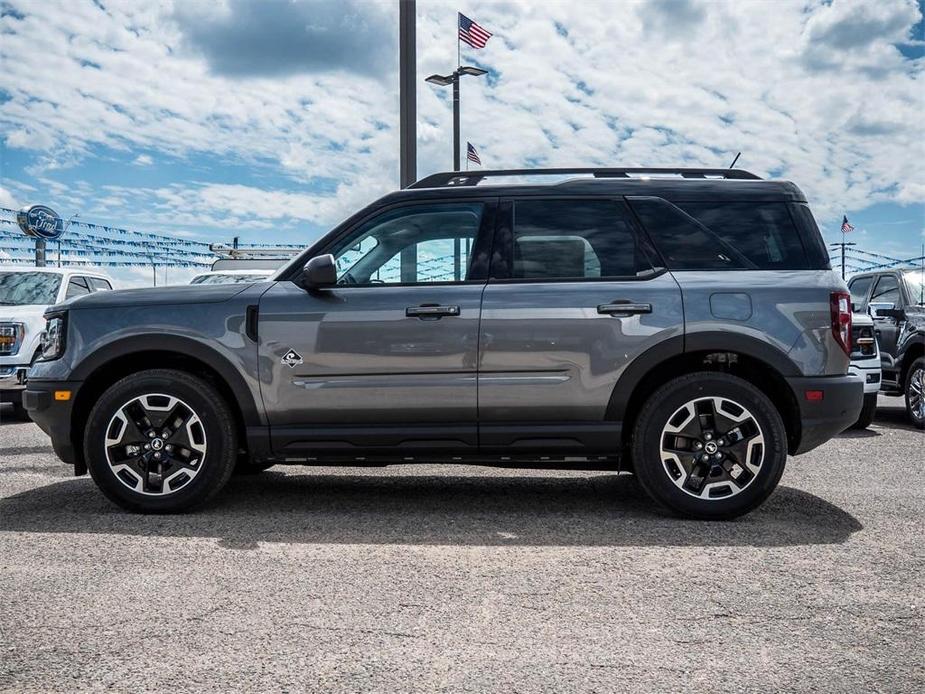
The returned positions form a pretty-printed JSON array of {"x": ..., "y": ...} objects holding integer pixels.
[
  {"x": 231, "y": 276},
  {"x": 896, "y": 301},
  {"x": 684, "y": 325},
  {"x": 865, "y": 364},
  {"x": 25, "y": 293}
]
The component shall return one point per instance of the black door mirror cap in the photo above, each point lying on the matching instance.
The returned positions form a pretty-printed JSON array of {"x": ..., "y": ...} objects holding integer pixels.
[
  {"x": 319, "y": 272},
  {"x": 895, "y": 313}
]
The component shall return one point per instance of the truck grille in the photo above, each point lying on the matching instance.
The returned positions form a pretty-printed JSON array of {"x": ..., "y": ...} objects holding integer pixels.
[{"x": 863, "y": 342}]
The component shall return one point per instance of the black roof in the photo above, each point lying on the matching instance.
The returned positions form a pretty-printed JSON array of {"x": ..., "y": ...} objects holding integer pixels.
[{"x": 682, "y": 185}]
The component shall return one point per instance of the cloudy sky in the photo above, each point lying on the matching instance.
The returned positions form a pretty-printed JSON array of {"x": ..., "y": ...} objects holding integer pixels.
[{"x": 274, "y": 119}]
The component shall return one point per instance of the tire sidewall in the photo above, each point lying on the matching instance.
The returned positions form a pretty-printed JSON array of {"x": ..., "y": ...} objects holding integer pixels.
[
  {"x": 217, "y": 427},
  {"x": 665, "y": 402},
  {"x": 917, "y": 365}
]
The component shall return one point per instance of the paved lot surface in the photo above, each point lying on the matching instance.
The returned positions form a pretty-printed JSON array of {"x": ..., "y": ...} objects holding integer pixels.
[{"x": 468, "y": 579}]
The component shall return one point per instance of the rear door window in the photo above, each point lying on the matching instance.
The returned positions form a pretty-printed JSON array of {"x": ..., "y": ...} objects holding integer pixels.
[
  {"x": 574, "y": 240},
  {"x": 724, "y": 235},
  {"x": 77, "y": 286}
]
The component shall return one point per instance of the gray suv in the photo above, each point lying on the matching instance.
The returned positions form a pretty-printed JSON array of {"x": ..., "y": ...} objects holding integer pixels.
[{"x": 680, "y": 324}]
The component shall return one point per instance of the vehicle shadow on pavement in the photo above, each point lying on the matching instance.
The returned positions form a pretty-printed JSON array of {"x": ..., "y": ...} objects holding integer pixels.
[
  {"x": 600, "y": 510},
  {"x": 893, "y": 418}
]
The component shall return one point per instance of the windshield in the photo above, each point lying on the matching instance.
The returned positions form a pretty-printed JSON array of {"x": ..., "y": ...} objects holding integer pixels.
[
  {"x": 26, "y": 288},
  {"x": 228, "y": 278},
  {"x": 915, "y": 281}
]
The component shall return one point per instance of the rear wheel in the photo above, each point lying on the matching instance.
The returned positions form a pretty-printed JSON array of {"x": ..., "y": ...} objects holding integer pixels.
[
  {"x": 868, "y": 410},
  {"x": 709, "y": 445},
  {"x": 915, "y": 393},
  {"x": 160, "y": 441}
]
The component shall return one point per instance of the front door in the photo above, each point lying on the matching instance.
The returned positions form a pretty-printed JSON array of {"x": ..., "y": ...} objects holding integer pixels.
[
  {"x": 573, "y": 301},
  {"x": 886, "y": 294},
  {"x": 387, "y": 358}
]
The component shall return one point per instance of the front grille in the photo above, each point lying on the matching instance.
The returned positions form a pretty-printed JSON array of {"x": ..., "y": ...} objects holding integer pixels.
[
  {"x": 863, "y": 342},
  {"x": 10, "y": 338}
]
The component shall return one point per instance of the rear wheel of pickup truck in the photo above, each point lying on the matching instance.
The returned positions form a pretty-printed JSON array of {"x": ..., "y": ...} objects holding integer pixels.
[
  {"x": 160, "y": 441},
  {"x": 709, "y": 445}
]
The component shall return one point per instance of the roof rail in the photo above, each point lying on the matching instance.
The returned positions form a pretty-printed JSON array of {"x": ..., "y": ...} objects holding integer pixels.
[{"x": 473, "y": 178}]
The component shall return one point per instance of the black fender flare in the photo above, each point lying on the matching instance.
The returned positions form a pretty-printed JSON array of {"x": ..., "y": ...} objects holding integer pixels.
[
  {"x": 183, "y": 346},
  {"x": 711, "y": 341}
]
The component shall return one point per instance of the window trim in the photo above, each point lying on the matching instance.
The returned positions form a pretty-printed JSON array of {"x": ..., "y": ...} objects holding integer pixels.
[
  {"x": 502, "y": 260},
  {"x": 481, "y": 245}
]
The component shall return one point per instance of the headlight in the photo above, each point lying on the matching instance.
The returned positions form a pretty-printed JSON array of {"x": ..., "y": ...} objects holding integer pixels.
[
  {"x": 53, "y": 338},
  {"x": 11, "y": 335}
]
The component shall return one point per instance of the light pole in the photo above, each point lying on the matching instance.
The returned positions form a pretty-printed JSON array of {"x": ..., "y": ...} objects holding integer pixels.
[{"x": 446, "y": 80}]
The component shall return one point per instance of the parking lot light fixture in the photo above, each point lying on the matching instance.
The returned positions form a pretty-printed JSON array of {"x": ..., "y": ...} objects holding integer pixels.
[{"x": 445, "y": 81}]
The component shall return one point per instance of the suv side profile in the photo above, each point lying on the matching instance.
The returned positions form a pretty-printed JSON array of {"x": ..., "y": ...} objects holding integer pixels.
[
  {"x": 896, "y": 301},
  {"x": 681, "y": 324}
]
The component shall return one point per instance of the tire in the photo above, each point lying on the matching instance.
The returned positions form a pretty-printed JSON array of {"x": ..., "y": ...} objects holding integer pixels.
[
  {"x": 195, "y": 460},
  {"x": 868, "y": 410},
  {"x": 20, "y": 413},
  {"x": 914, "y": 391},
  {"x": 724, "y": 415}
]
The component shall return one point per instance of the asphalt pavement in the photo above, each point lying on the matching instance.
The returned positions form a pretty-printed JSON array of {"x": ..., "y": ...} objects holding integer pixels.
[{"x": 464, "y": 579}]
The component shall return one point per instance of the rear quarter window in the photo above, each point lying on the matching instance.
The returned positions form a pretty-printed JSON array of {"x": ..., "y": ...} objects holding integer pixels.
[{"x": 726, "y": 235}]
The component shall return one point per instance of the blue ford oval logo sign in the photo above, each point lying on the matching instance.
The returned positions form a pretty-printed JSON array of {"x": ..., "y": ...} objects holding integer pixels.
[{"x": 41, "y": 222}]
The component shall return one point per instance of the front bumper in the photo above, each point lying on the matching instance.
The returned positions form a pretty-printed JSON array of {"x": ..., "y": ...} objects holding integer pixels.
[
  {"x": 823, "y": 417},
  {"x": 12, "y": 382},
  {"x": 53, "y": 416},
  {"x": 868, "y": 373}
]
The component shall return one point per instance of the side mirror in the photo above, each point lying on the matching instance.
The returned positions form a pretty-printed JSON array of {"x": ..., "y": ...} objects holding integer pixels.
[
  {"x": 895, "y": 313},
  {"x": 319, "y": 272}
]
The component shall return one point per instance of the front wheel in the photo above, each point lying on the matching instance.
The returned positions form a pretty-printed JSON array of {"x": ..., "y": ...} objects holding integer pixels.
[
  {"x": 709, "y": 445},
  {"x": 915, "y": 393},
  {"x": 868, "y": 410},
  {"x": 160, "y": 441}
]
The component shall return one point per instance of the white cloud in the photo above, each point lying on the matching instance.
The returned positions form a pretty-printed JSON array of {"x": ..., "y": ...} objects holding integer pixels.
[
  {"x": 7, "y": 200},
  {"x": 143, "y": 160},
  {"x": 808, "y": 90}
]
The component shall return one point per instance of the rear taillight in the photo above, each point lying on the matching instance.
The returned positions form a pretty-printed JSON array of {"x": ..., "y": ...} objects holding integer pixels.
[{"x": 840, "y": 303}]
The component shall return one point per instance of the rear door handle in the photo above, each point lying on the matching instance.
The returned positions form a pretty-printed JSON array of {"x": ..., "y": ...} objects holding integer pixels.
[
  {"x": 624, "y": 308},
  {"x": 431, "y": 311}
]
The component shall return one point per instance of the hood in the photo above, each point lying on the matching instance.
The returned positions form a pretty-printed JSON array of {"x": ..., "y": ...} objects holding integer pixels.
[
  {"x": 20, "y": 313},
  {"x": 861, "y": 319},
  {"x": 174, "y": 295}
]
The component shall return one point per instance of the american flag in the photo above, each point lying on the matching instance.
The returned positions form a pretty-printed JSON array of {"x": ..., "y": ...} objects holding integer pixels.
[
  {"x": 472, "y": 155},
  {"x": 472, "y": 33},
  {"x": 845, "y": 227}
]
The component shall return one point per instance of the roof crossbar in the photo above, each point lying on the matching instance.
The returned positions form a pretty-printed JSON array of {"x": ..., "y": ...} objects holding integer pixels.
[{"x": 473, "y": 178}]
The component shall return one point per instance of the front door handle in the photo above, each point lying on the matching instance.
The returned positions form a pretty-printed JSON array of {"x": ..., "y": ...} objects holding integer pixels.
[
  {"x": 623, "y": 308},
  {"x": 431, "y": 311}
]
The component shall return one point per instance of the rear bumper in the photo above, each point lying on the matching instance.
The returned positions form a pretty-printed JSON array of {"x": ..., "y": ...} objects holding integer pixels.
[
  {"x": 54, "y": 416},
  {"x": 821, "y": 419}
]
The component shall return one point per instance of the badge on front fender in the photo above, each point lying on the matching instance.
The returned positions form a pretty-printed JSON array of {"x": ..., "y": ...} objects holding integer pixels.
[{"x": 291, "y": 359}]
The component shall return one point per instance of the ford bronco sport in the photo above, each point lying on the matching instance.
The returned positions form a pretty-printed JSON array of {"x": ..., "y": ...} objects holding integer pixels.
[{"x": 681, "y": 324}]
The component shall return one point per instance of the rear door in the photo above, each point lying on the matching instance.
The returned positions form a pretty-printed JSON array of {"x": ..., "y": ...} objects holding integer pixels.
[
  {"x": 574, "y": 298},
  {"x": 386, "y": 358}
]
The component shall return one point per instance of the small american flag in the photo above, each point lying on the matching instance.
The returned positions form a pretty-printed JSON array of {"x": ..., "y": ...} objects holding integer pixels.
[
  {"x": 472, "y": 33},
  {"x": 845, "y": 226},
  {"x": 472, "y": 155}
]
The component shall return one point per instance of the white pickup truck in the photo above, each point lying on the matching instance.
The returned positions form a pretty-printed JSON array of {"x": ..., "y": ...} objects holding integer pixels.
[{"x": 25, "y": 293}]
